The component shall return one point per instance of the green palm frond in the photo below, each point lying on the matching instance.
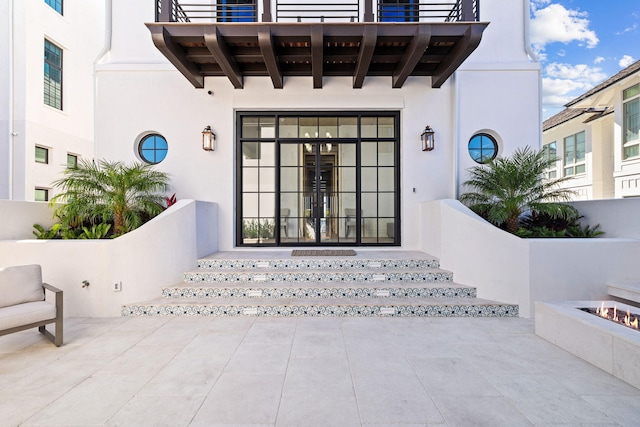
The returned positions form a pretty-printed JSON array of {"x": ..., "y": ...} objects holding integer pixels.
[
  {"x": 106, "y": 191},
  {"x": 508, "y": 186}
]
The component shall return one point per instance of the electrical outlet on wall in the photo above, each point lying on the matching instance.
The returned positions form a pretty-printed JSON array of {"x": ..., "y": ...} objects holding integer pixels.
[{"x": 117, "y": 286}]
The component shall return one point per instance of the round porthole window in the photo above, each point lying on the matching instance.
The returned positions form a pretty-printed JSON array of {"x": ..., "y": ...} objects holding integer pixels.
[
  {"x": 483, "y": 148},
  {"x": 153, "y": 148}
]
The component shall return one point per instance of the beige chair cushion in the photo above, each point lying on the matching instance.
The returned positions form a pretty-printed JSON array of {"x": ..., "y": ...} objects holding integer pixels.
[
  {"x": 20, "y": 284},
  {"x": 24, "y": 314}
]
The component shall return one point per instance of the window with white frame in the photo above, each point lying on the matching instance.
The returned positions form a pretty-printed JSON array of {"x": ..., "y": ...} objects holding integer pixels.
[
  {"x": 550, "y": 154},
  {"x": 42, "y": 155},
  {"x": 631, "y": 122},
  {"x": 574, "y": 155},
  {"x": 41, "y": 194},
  {"x": 52, "y": 75},
  {"x": 55, "y": 5},
  {"x": 72, "y": 161}
]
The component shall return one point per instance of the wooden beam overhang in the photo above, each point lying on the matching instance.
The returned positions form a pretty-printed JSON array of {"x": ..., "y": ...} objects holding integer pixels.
[
  {"x": 365, "y": 55},
  {"x": 317, "y": 50},
  {"x": 317, "y": 54},
  {"x": 268, "y": 52},
  {"x": 218, "y": 48},
  {"x": 176, "y": 56},
  {"x": 460, "y": 52},
  {"x": 413, "y": 54}
]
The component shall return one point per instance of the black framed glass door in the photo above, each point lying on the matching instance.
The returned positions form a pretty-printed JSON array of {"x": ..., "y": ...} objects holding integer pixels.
[{"x": 318, "y": 179}]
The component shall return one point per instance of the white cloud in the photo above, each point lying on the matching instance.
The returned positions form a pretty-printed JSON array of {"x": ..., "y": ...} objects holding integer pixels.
[
  {"x": 626, "y": 61},
  {"x": 564, "y": 82},
  {"x": 633, "y": 27},
  {"x": 598, "y": 60},
  {"x": 555, "y": 23}
]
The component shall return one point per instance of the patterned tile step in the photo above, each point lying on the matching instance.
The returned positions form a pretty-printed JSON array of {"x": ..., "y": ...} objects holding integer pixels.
[
  {"x": 333, "y": 290},
  {"x": 316, "y": 264},
  {"x": 429, "y": 276},
  {"x": 471, "y": 307}
]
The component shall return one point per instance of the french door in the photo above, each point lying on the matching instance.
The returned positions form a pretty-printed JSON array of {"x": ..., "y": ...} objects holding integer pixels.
[{"x": 317, "y": 179}]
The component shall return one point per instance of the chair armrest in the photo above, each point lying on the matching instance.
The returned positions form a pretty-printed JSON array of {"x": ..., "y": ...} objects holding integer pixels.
[
  {"x": 51, "y": 288},
  {"x": 58, "y": 294}
]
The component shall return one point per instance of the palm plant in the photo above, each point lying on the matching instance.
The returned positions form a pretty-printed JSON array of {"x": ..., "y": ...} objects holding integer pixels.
[
  {"x": 506, "y": 187},
  {"x": 111, "y": 191}
]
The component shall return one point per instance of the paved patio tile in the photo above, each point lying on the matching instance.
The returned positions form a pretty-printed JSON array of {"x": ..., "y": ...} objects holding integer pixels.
[{"x": 282, "y": 372}]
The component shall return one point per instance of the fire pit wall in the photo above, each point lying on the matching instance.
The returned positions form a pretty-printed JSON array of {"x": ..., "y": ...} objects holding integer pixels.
[{"x": 611, "y": 347}]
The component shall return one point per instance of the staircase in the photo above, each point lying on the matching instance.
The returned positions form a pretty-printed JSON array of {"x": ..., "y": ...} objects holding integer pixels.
[{"x": 273, "y": 283}]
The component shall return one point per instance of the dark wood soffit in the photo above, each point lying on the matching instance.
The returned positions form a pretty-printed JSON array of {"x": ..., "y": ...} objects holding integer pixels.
[{"x": 398, "y": 50}]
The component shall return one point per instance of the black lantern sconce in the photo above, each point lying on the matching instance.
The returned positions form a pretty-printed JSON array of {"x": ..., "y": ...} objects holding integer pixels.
[
  {"x": 208, "y": 139},
  {"x": 428, "y": 139}
]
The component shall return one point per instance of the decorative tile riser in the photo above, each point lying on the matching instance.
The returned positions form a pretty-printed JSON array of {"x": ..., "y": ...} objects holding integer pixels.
[
  {"x": 324, "y": 277},
  {"x": 325, "y": 311},
  {"x": 316, "y": 264},
  {"x": 378, "y": 292}
]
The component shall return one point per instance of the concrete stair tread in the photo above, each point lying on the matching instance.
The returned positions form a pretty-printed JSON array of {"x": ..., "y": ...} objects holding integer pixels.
[
  {"x": 370, "y": 271},
  {"x": 316, "y": 302},
  {"x": 309, "y": 285},
  {"x": 286, "y": 254}
]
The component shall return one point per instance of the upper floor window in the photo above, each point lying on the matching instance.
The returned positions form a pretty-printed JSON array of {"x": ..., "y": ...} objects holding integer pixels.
[
  {"x": 574, "y": 155},
  {"x": 550, "y": 154},
  {"x": 52, "y": 75},
  {"x": 631, "y": 121},
  {"x": 55, "y": 5},
  {"x": 42, "y": 155},
  {"x": 72, "y": 161},
  {"x": 236, "y": 11},
  {"x": 398, "y": 10}
]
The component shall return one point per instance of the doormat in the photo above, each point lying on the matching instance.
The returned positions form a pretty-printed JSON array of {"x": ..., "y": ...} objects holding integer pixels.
[{"x": 323, "y": 252}]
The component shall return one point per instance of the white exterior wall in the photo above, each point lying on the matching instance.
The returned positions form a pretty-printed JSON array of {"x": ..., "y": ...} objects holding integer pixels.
[
  {"x": 141, "y": 268},
  {"x": 80, "y": 34},
  {"x": 509, "y": 269},
  {"x": 497, "y": 89}
]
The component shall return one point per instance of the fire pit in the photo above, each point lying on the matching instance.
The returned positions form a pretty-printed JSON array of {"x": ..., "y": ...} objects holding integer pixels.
[
  {"x": 627, "y": 319},
  {"x": 584, "y": 329}
]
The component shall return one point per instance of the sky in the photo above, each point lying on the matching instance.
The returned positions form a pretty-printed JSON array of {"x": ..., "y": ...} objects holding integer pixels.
[{"x": 580, "y": 43}]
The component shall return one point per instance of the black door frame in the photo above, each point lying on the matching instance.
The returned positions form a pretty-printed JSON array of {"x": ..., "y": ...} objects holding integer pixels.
[{"x": 239, "y": 139}]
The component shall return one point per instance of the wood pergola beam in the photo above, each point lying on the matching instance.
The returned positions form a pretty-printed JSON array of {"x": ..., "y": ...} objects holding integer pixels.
[
  {"x": 174, "y": 53},
  {"x": 456, "y": 57},
  {"x": 367, "y": 47},
  {"x": 220, "y": 52},
  {"x": 265, "y": 40},
  {"x": 415, "y": 50},
  {"x": 317, "y": 55}
]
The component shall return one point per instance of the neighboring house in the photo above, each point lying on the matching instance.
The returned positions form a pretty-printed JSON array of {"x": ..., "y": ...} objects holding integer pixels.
[
  {"x": 596, "y": 139},
  {"x": 320, "y": 110},
  {"x": 48, "y": 48}
]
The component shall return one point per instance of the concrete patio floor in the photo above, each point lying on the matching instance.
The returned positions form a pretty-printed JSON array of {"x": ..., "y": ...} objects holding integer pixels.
[{"x": 180, "y": 371}]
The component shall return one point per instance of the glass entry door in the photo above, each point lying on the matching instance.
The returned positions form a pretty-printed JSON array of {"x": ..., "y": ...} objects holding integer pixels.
[
  {"x": 317, "y": 179},
  {"x": 317, "y": 184}
]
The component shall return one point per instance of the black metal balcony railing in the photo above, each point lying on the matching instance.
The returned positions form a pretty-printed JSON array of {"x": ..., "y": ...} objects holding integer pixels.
[{"x": 327, "y": 11}]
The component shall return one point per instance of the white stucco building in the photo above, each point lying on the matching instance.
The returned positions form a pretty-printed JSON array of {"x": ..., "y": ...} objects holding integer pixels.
[
  {"x": 596, "y": 140},
  {"x": 46, "y": 91},
  {"x": 318, "y": 114},
  {"x": 317, "y": 122}
]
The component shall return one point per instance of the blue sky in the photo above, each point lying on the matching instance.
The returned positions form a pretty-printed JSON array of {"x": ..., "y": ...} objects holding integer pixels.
[{"x": 581, "y": 43}]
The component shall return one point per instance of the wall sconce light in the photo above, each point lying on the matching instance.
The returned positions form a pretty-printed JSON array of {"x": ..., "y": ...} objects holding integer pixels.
[
  {"x": 208, "y": 139},
  {"x": 428, "y": 139}
]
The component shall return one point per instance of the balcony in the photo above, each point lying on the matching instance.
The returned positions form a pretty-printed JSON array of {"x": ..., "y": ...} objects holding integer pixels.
[{"x": 397, "y": 38}]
